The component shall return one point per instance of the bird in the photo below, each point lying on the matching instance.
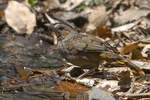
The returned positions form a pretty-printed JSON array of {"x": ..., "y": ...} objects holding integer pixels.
[{"x": 86, "y": 51}]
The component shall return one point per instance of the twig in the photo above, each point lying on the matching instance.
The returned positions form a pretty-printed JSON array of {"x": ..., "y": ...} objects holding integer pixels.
[
  {"x": 113, "y": 48},
  {"x": 141, "y": 32},
  {"x": 137, "y": 95},
  {"x": 112, "y": 9},
  {"x": 121, "y": 40}
]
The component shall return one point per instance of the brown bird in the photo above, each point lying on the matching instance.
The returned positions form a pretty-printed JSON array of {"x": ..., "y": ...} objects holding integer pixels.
[{"x": 85, "y": 51}]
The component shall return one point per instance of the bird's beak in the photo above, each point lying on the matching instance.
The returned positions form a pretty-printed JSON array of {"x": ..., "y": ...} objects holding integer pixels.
[{"x": 50, "y": 26}]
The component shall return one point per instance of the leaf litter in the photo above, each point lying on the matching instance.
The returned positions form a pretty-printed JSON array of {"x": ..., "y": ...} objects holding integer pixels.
[{"x": 31, "y": 64}]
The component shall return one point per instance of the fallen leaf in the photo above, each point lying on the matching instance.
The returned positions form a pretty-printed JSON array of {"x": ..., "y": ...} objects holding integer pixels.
[
  {"x": 146, "y": 50},
  {"x": 128, "y": 48},
  {"x": 51, "y": 4},
  {"x": 126, "y": 26},
  {"x": 136, "y": 54},
  {"x": 105, "y": 83},
  {"x": 19, "y": 17},
  {"x": 141, "y": 45},
  {"x": 103, "y": 32},
  {"x": 98, "y": 16},
  {"x": 22, "y": 72},
  {"x": 126, "y": 15},
  {"x": 125, "y": 78},
  {"x": 73, "y": 88}
]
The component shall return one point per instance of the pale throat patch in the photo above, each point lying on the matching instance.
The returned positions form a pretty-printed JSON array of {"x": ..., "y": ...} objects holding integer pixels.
[{"x": 56, "y": 25}]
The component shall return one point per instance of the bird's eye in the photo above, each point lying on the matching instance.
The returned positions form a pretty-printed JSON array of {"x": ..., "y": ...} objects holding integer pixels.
[{"x": 61, "y": 28}]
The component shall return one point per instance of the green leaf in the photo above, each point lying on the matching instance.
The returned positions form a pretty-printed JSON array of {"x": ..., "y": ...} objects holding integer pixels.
[
  {"x": 81, "y": 8},
  {"x": 32, "y": 2}
]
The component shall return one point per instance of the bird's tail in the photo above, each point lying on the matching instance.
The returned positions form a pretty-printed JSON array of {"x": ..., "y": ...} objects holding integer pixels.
[
  {"x": 136, "y": 70},
  {"x": 110, "y": 57}
]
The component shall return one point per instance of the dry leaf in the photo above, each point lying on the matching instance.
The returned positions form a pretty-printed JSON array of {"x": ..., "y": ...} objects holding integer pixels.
[
  {"x": 51, "y": 4},
  {"x": 128, "y": 48},
  {"x": 125, "y": 78},
  {"x": 19, "y": 17},
  {"x": 126, "y": 15},
  {"x": 103, "y": 32},
  {"x": 125, "y": 27},
  {"x": 136, "y": 54},
  {"x": 73, "y": 88},
  {"x": 145, "y": 51},
  {"x": 144, "y": 4},
  {"x": 141, "y": 45},
  {"x": 104, "y": 83},
  {"x": 22, "y": 72},
  {"x": 98, "y": 16}
]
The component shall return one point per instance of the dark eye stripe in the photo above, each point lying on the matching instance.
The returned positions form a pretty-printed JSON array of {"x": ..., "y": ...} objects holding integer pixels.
[{"x": 61, "y": 28}]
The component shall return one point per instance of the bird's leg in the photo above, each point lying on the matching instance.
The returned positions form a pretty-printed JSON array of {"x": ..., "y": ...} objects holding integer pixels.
[
  {"x": 103, "y": 70},
  {"x": 82, "y": 75}
]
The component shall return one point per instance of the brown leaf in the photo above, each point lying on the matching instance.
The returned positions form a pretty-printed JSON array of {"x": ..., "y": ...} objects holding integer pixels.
[
  {"x": 125, "y": 78},
  {"x": 22, "y": 72},
  {"x": 103, "y": 32},
  {"x": 128, "y": 48},
  {"x": 73, "y": 88},
  {"x": 136, "y": 54}
]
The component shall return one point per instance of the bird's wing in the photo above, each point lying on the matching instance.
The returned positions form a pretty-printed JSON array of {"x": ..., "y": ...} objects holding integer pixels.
[{"x": 88, "y": 44}]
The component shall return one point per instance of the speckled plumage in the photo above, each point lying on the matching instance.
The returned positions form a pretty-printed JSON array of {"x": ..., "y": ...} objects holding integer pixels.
[
  {"x": 78, "y": 49},
  {"x": 86, "y": 51}
]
